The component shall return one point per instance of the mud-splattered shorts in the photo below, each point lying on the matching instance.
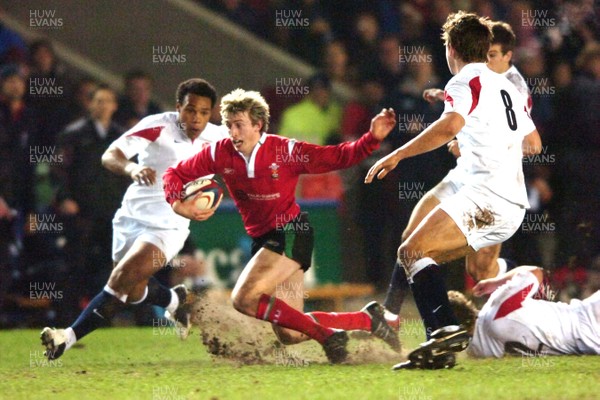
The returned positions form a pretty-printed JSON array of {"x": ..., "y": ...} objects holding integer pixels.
[{"x": 483, "y": 217}]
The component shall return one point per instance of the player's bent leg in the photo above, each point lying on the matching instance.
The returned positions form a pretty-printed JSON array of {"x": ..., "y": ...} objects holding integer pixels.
[
  {"x": 105, "y": 305},
  {"x": 263, "y": 273},
  {"x": 398, "y": 287},
  {"x": 291, "y": 291},
  {"x": 255, "y": 288},
  {"x": 483, "y": 264},
  {"x": 436, "y": 238},
  {"x": 425, "y": 205},
  {"x": 130, "y": 276}
]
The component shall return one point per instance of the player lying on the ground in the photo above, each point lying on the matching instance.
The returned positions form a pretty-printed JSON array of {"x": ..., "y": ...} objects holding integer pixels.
[
  {"x": 146, "y": 231},
  {"x": 485, "y": 199},
  {"x": 517, "y": 319},
  {"x": 485, "y": 262},
  {"x": 261, "y": 173}
]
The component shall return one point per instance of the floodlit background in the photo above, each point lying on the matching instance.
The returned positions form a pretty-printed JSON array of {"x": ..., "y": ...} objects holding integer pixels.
[{"x": 56, "y": 208}]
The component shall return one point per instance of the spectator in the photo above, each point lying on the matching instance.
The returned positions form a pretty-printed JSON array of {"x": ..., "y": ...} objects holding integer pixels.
[
  {"x": 363, "y": 49},
  {"x": 82, "y": 98},
  {"x": 19, "y": 126},
  {"x": 412, "y": 23},
  {"x": 576, "y": 140},
  {"x": 576, "y": 27},
  {"x": 49, "y": 90},
  {"x": 358, "y": 113},
  {"x": 309, "y": 43},
  {"x": 316, "y": 119},
  {"x": 13, "y": 49},
  {"x": 137, "y": 102},
  {"x": 89, "y": 194},
  {"x": 388, "y": 64},
  {"x": 15, "y": 179},
  {"x": 335, "y": 63}
]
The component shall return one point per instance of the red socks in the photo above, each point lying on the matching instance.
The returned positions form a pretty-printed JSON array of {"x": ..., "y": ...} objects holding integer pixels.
[
  {"x": 348, "y": 321},
  {"x": 279, "y": 313}
]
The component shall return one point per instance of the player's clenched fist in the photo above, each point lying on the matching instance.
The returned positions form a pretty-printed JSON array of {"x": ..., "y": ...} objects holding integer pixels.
[{"x": 383, "y": 123}]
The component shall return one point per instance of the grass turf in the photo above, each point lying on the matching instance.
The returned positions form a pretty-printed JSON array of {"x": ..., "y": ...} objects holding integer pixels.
[{"x": 141, "y": 363}]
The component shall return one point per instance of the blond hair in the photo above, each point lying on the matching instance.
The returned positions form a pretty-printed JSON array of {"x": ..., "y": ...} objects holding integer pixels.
[{"x": 240, "y": 101}]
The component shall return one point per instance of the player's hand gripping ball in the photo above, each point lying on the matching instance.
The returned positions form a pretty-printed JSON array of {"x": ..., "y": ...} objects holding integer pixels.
[{"x": 204, "y": 193}]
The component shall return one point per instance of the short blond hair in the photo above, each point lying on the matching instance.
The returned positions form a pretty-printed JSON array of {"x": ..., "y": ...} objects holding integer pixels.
[{"x": 241, "y": 100}]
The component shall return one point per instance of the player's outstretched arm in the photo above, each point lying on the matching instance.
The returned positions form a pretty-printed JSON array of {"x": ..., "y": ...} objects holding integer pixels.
[
  {"x": 433, "y": 95},
  {"x": 487, "y": 286},
  {"x": 115, "y": 161},
  {"x": 322, "y": 159},
  {"x": 436, "y": 135}
]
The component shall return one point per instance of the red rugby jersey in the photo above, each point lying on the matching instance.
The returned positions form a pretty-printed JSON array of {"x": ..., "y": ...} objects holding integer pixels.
[{"x": 263, "y": 187}]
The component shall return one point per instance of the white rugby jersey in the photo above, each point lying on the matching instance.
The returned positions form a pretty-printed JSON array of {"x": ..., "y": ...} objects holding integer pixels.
[
  {"x": 490, "y": 143},
  {"x": 159, "y": 143},
  {"x": 512, "y": 322},
  {"x": 513, "y": 75}
]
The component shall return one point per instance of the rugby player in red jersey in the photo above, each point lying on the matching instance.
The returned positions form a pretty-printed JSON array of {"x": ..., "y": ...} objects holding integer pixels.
[{"x": 261, "y": 172}]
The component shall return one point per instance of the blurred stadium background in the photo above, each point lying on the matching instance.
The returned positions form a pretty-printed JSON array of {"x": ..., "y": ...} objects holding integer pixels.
[{"x": 326, "y": 67}]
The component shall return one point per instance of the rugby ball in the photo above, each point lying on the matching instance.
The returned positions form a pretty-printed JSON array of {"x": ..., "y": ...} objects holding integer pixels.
[{"x": 204, "y": 193}]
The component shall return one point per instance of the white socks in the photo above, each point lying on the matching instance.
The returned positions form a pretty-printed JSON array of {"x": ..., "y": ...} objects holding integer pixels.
[
  {"x": 418, "y": 266},
  {"x": 174, "y": 302},
  {"x": 70, "y": 338}
]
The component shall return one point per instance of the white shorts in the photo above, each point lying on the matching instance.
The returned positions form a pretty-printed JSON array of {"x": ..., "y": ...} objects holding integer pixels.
[
  {"x": 483, "y": 217},
  {"x": 446, "y": 188},
  {"x": 127, "y": 231}
]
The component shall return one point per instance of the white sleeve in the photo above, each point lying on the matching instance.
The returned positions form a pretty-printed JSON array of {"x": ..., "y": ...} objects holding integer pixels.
[
  {"x": 458, "y": 98},
  {"x": 137, "y": 138}
]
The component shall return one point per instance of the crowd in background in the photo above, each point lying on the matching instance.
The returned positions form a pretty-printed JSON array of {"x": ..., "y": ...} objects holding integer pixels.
[
  {"x": 390, "y": 51},
  {"x": 54, "y": 127}
]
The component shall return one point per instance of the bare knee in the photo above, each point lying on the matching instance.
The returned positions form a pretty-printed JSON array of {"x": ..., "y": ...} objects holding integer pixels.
[
  {"x": 122, "y": 280},
  {"x": 244, "y": 301},
  {"x": 409, "y": 252}
]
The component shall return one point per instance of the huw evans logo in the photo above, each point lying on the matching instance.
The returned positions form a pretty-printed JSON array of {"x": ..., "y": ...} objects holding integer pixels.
[
  {"x": 291, "y": 19},
  {"x": 537, "y": 19},
  {"x": 45, "y": 87},
  {"x": 290, "y": 87},
  {"x": 45, "y": 19},
  {"x": 168, "y": 55}
]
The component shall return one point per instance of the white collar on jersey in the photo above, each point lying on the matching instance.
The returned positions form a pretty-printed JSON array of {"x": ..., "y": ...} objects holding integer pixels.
[{"x": 250, "y": 162}]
